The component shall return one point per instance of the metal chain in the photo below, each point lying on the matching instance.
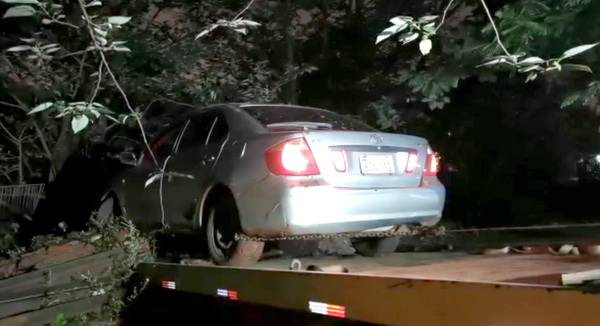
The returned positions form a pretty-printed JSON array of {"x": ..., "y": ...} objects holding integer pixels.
[{"x": 403, "y": 230}]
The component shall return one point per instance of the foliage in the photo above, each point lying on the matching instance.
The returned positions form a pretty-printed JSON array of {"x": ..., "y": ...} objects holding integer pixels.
[
  {"x": 8, "y": 242},
  {"x": 525, "y": 26},
  {"x": 115, "y": 233}
]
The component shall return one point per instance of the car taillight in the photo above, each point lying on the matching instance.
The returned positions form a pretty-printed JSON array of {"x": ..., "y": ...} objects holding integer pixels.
[
  {"x": 432, "y": 165},
  {"x": 339, "y": 160},
  {"x": 291, "y": 157}
]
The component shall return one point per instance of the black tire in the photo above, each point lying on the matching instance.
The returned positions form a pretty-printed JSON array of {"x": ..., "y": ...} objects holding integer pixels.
[
  {"x": 221, "y": 228},
  {"x": 376, "y": 247}
]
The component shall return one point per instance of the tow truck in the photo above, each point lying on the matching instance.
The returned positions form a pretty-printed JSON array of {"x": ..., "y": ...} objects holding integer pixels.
[{"x": 409, "y": 289}]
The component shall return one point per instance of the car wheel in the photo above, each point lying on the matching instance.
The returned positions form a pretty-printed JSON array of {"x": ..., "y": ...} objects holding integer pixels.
[
  {"x": 376, "y": 247},
  {"x": 221, "y": 228}
]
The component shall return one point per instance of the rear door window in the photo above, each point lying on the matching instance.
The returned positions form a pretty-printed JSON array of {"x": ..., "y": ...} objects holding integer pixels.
[
  {"x": 283, "y": 117},
  {"x": 201, "y": 127}
]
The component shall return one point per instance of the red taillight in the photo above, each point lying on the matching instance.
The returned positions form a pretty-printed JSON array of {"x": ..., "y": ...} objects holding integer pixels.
[
  {"x": 432, "y": 165},
  {"x": 292, "y": 157},
  {"x": 339, "y": 160}
]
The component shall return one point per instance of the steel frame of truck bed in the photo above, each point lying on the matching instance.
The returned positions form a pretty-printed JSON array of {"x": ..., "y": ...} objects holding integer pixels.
[{"x": 384, "y": 300}]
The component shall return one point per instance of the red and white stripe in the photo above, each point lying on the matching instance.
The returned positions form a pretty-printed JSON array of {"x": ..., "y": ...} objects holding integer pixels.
[{"x": 327, "y": 309}]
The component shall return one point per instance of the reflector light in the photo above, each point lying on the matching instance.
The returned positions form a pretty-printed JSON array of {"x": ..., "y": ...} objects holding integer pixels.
[
  {"x": 339, "y": 160},
  {"x": 232, "y": 295},
  {"x": 168, "y": 285},
  {"x": 412, "y": 162},
  {"x": 327, "y": 309}
]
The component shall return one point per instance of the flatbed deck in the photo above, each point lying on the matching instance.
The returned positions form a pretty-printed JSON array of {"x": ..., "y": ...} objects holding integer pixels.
[{"x": 445, "y": 288}]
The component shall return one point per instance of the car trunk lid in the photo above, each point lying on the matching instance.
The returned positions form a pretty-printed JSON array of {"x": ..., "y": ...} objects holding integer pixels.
[{"x": 359, "y": 159}]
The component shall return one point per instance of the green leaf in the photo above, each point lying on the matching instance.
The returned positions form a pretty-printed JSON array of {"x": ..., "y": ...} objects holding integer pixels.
[
  {"x": 100, "y": 108},
  {"x": 426, "y": 19},
  {"x": 102, "y": 40},
  {"x": 95, "y": 113},
  {"x": 52, "y": 45},
  {"x": 576, "y": 67},
  {"x": 19, "y": 48},
  {"x": 531, "y": 77},
  {"x": 28, "y": 2},
  {"x": 27, "y": 40},
  {"x": 46, "y": 21},
  {"x": 118, "y": 20},
  {"x": 577, "y": 50},
  {"x": 531, "y": 68},
  {"x": 78, "y": 123},
  {"x": 531, "y": 61},
  {"x": 121, "y": 49},
  {"x": 52, "y": 50},
  {"x": 569, "y": 100},
  {"x": 429, "y": 28},
  {"x": 100, "y": 32},
  {"x": 409, "y": 37},
  {"x": 60, "y": 320},
  {"x": 492, "y": 62},
  {"x": 391, "y": 31},
  {"x": 41, "y": 107},
  {"x": 248, "y": 22},
  {"x": 398, "y": 20},
  {"x": 241, "y": 30},
  {"x": 19, "y": 11},
  {"x": 405, "y": 18}
]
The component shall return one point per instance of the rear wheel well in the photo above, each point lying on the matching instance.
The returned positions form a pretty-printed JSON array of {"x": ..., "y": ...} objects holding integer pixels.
[{"x": 220, "y": 195}]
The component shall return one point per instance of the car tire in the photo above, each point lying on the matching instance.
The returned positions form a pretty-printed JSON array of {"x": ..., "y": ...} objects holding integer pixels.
[
  {"x": 222, "y": 247},
  {"x": 376, "y": 247}
]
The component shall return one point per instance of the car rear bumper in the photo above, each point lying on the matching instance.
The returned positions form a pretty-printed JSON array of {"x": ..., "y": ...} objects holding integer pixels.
[{"x": 326, "y": 209}]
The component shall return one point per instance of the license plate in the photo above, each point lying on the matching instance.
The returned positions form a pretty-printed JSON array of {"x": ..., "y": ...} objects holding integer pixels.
[{"x": 376, "y": 164}]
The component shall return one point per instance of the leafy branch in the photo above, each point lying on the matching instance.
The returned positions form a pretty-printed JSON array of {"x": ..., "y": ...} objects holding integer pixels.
[
  {"x": 424, "y": 27},
  {"x": 238, "y": 24}
]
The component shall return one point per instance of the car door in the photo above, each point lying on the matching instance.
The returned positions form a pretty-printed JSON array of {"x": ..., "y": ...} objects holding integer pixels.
[
  {"x": 192, "y": 164},
  {"x": 141, "y": 185}
]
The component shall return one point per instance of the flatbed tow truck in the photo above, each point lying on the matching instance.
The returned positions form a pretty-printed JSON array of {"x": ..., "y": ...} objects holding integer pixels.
[{"x": 417, "y": 288}]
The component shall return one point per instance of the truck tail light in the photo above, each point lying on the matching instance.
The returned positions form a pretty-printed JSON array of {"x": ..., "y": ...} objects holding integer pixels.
[
  {"x": 339, "y": 160},
  {"x": 291, "y": 157}
]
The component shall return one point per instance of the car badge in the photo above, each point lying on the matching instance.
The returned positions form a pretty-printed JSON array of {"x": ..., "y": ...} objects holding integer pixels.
[{"x": 376, "y": 139}]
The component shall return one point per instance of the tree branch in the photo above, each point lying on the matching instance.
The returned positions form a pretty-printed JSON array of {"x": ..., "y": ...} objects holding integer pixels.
[
  {"x": 498, "y": 40},
  {"x": 244, "y": 10},
  {"x": 117, "y": 85},
  {"x": 444, "y": 15}
]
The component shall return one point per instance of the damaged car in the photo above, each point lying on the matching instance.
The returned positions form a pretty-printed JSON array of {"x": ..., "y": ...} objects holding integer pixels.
[{"x": 245, "y": 172}]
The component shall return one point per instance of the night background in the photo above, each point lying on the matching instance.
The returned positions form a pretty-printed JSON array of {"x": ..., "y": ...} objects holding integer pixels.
[
  {"x": 519, "y": 144},
  {"x": 509, "y": 148}
]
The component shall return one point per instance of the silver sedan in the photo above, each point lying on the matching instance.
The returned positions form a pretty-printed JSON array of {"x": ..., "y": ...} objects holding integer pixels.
[{"x": 275, "y": 171}]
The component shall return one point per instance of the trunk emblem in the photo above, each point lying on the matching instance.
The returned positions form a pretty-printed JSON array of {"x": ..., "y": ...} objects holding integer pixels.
[{"x": 376, "y": 139}]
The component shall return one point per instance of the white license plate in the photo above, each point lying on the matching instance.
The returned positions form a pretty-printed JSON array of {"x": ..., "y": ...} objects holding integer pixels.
[{"x": 376, "y": 164}]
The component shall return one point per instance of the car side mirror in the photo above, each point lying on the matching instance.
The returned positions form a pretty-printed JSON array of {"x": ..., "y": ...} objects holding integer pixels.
[{"x": 128, "y": 158}]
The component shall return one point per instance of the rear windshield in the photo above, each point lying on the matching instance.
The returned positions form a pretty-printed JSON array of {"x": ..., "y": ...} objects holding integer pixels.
[{"x": 270, "y": 116}]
